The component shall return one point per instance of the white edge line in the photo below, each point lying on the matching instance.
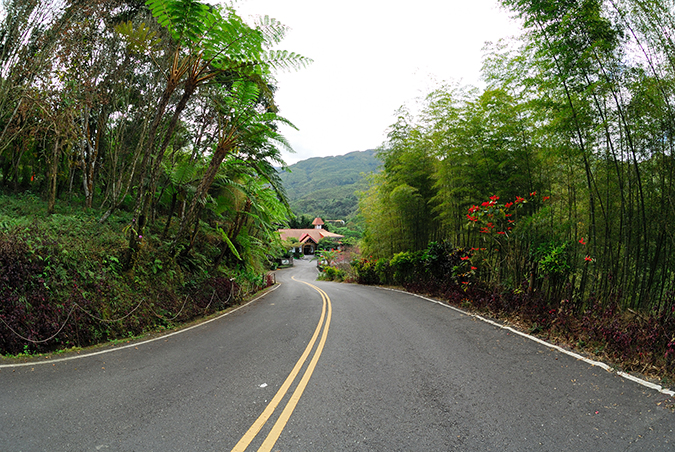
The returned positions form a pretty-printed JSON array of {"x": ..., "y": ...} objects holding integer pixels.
[
  {"x": 625, "y": 375},
  {"x": 70, "y": 358}
]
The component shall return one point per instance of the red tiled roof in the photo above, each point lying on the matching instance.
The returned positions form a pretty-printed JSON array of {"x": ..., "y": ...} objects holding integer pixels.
[
  {"x": 304, "y": 234},
  {"x": 317, "y": 221}
]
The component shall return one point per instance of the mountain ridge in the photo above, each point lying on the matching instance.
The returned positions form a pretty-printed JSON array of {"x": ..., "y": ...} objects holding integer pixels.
[{"x": 326, "y": 186}]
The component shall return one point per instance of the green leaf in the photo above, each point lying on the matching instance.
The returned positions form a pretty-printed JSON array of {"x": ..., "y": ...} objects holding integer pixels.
[{"x": 230, "y": 245}]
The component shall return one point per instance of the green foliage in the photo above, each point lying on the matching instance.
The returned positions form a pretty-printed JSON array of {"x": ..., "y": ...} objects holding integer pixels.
[
  {"x": 365, "y": 271},
  {"x": 66, "y": 270},
  {"x": 301, "y": 222},
  {"x": 327, "y": 257},
  {"x": 332, "y": 273},
  {"x": 554, "y": 260},
  {"x": 144, "y": 119},
  {"x": 404, "y": 265},
  {"x": 328, "y": 244},
  {"x": 441, "y": 264},
  {"x": 566, "y": 126},
  {"x": 185, "y": 19}
]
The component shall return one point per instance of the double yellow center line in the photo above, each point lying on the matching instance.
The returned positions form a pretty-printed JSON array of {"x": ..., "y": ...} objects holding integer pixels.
[{"x": 273, "y": 436}]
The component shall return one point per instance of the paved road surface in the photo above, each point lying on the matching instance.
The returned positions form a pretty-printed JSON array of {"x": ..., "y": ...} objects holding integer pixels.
[{"x": 370, "y": 370}]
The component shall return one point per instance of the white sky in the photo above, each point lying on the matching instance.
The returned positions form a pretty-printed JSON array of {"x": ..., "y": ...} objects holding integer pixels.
[{"x": 370, "y": 58}]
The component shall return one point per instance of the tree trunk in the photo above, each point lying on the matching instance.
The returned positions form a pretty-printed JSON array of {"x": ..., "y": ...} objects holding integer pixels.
[
  {"x": 53, "y": 173},
  {"x": 202, "y": 189},
  {"x": 190, "y": 87}
]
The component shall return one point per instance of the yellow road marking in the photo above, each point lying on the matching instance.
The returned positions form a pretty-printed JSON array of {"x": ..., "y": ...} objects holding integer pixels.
[{"x": 290, "y": 406}]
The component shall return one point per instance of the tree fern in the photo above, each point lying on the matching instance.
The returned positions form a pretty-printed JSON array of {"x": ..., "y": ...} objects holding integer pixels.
[{"x": 184, "y": 19}]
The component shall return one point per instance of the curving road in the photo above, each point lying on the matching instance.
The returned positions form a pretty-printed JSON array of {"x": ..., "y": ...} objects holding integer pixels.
[{"x": 317, "y": 366}]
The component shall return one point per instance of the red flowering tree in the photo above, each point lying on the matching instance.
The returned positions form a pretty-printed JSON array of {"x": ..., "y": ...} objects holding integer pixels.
[{"x": 503, "y": 254}]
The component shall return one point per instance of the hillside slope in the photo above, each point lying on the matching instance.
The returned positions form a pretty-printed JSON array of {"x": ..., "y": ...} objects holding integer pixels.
[{"x": 325, "y": 186}]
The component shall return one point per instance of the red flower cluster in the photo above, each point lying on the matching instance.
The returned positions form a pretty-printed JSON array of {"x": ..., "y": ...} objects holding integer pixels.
[{"x": 508, "y": 205}]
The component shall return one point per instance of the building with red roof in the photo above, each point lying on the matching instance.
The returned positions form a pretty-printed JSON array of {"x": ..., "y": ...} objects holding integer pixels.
[{"x": 309, "y": 238}]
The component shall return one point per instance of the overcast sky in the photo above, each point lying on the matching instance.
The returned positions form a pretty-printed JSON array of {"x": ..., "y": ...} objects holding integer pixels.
[{"x": 370, "y": 58}]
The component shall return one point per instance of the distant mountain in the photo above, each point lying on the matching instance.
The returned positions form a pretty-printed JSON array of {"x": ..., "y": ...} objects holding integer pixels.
[{"x": 325, "y": 186}]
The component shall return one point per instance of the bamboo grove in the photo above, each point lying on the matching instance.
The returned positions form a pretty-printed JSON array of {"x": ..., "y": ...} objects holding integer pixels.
[
  {"x": 558, "y": 175},
  {"x": 164, "y": 109}
]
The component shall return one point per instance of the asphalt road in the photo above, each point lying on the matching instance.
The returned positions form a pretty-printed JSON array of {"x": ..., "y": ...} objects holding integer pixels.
[{"x": 370, "y": 370}]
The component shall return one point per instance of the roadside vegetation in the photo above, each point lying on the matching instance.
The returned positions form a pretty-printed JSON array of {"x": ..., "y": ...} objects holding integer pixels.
[
  {"x": 550, "y": 190},
  {"x": 138, "y": 146}
]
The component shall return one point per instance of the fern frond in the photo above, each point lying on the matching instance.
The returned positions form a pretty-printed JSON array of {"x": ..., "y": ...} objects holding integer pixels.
[
  {"x": 285, "y": 60},
  {"x": 273, "y": 30},
  {"x": 183, "y": 173},
  {"x": 230, "y": 245},
  {"x": 185, "y": 19}
]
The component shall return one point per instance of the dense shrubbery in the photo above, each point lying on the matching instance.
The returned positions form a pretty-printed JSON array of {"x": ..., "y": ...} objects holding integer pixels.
[
  {"x": 640, "y": 342},
  {"x": 437, "y": 266},
  {"x": 62, "y": 285},
  {"x": 333, "y": 273}
]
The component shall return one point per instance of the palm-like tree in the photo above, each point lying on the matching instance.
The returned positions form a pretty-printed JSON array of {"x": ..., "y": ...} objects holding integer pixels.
[
  {"x": 248, "y": 128},
  {"x": 210, "y": 44}
]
